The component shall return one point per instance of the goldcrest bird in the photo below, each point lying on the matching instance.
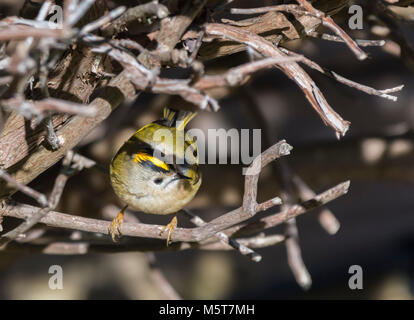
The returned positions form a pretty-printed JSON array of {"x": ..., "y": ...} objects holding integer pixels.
[{"x": 156, "y": 170}]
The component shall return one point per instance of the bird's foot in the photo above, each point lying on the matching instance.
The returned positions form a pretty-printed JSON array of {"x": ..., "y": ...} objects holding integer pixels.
[
  {"x": 115, "y": 226},
  {"x": 170, "y": 227}
]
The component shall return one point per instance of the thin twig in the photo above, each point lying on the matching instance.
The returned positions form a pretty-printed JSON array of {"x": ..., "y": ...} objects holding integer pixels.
[
  {"x": 294, "y": 255},
  {"x": 113, "y": 14},
  {"x": 51, "y": 136},
  {"x": 325, "y": 216},
  {"x": 39, "y": 197},
  {"x": 293, "y": 8},
  {"x": 137, "y": 13},
  {"x": 238, "y": 75},
  {"x": 254, "y": 256},
  {"x": 307, "y": 8},
  {"x": 369, "y": 90},
  {"x": 329, "y": 23},
  {"x": 94, "y": 245},
  {"x": 292, "y": 70},
  {"x": 34, "y": 108},
  {"x": 259, "y": 241},
  {"x": 79, "y": 12},
  {"x": 23, "y": 32},
  {"x": 198, "y": 234},
  {"x": 293, "y": 211},
  {"x": 360, "y": 42},
  {"x": 54, "y": 198},
  {"x": 161, "y": 282}
]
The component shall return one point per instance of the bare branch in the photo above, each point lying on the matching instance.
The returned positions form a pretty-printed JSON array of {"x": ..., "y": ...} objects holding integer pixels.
[
  {"x": 61, "y": 220},
  {"x": 160, "y": 280},
  {"x": 293, "y": 8},
  {"x": 326, "y": 218},
  {"x": 138, "y": 13},
  {"x": 292, "y": 70},
  {"x": 24, "y": 32},
  {"x": 329, "y": 23},
  {"x": 259, "y": 241},
  {"x": 350, "y": 83},
  {"x": 225, "y": 239},
  {"x": 103, "y": 20},
  {"x": 238, "y": 75},
  {"x": 79, "y": 11},
  {"x": 34, "y": 108},
  {"x": 292, "y": 212},
  {"x": 54, "y": 198},
  {"x": 360, "y": 42},
  {"x": 39, "y": 197},
  {"x": 294, "y": 255}
]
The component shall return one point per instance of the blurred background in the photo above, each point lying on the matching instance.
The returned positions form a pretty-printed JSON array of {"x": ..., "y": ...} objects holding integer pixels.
[{"x": 376, "y": 216}]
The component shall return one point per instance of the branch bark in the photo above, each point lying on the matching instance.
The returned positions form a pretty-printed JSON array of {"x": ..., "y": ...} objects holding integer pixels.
[
  {"x": 292, "y": 70},
  {"x": 225, "y": 222}
]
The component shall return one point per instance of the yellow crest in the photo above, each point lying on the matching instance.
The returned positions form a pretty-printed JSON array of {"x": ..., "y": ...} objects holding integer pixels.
[{"x": 142, "y": 157}]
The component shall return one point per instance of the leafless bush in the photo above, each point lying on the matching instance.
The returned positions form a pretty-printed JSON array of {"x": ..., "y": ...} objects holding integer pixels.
[{"x": 62, "y": 81}]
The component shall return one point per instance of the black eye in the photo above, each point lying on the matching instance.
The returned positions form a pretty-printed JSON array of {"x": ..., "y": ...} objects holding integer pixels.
[{"x": 158, "y": 180}]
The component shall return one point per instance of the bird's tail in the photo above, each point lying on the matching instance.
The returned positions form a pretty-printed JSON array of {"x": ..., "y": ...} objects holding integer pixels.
[{"x": 178, "y": 118}]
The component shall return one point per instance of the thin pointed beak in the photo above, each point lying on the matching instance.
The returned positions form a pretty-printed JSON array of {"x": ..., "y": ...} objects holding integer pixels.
[{"x": 181, "y": 176}]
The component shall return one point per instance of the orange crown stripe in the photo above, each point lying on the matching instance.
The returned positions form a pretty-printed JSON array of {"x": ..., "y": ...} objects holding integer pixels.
[{"x": 155, "y": 161}]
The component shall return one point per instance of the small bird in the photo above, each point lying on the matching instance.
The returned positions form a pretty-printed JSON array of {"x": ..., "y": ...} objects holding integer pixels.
[{"x": 156, "y": 170}]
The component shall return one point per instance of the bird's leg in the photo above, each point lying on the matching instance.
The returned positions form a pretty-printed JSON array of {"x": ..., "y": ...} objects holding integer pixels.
[
  {"x": 170, "y": 227},
  {"x": 115, "y": 225}
]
